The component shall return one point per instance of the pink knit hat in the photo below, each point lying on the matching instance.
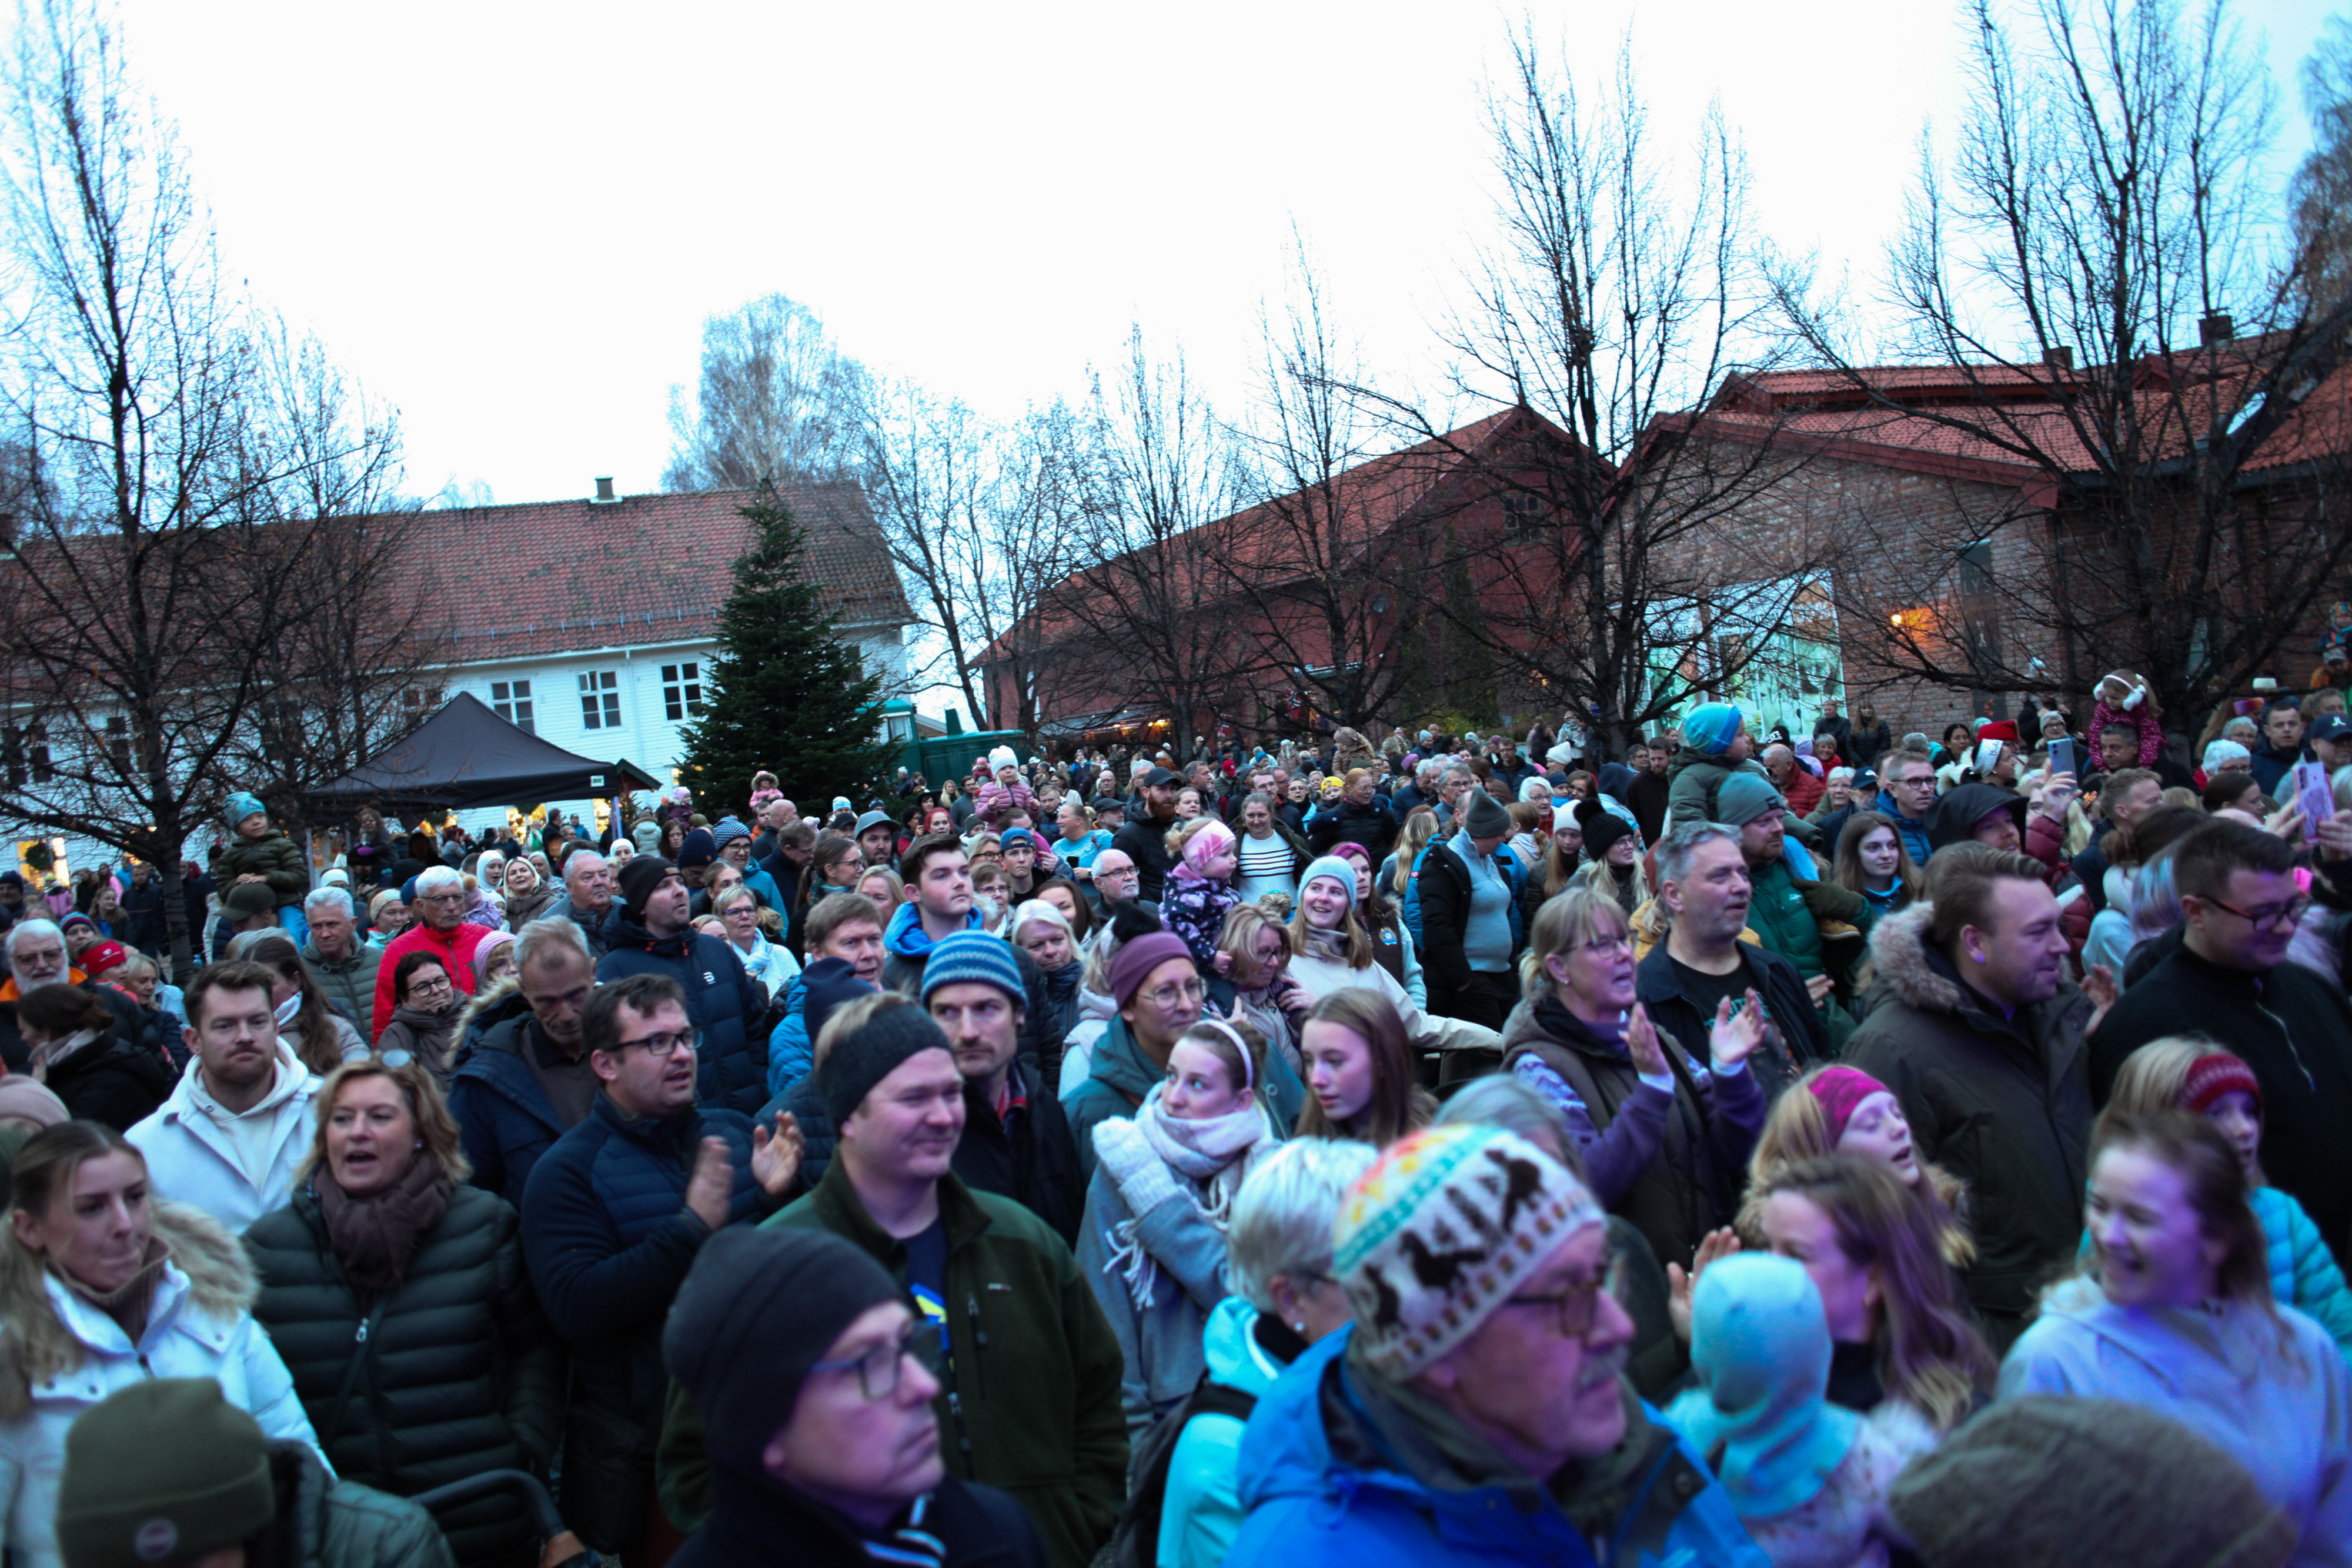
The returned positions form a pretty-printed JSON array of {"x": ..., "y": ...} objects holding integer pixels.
[
  {"x": 1840, "y": 1089},
  {"x": 1140, "y": 957}
]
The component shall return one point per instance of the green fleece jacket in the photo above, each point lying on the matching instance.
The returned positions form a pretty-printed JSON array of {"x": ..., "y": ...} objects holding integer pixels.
[
  {"x": 1032, "y": 1404},
  {"x": 271, "y": 857}
]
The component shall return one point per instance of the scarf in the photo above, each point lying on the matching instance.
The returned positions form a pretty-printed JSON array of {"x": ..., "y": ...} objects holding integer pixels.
[
  {"x": 49, "y": 1055},
  {"x": 1145, "y": 1155},
  {"x": 1331, "y": 943},
  {"x": 1063, "y": 983},
  {"x": 375, "y": 1236},
  {"x": 129, "y": 1304}
]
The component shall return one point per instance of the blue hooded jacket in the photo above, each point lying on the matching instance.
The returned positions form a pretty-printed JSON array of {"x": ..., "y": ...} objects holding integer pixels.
[{"x": 1314, "y": 1503}]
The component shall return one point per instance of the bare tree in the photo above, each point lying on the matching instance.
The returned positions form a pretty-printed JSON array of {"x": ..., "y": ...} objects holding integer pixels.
[
  {"x": 2176, "y": 508},
  {"x": 1624, "y": 292},
  {"x": 142, "y": 600},
  {"x": 2323, "y": 186},
  {"x": 777, "y": 400}
]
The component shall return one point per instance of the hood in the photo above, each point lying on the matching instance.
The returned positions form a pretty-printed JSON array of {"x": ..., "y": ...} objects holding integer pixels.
[
  {"x": 1557, "y": 1026},
  {"x": 907, "y": 938},
  {"x": 620, "y": 932},
  {"x": 1119, "y": 1063},
  {"x": 2115, "y": 881},
  {"x": 1235, "y": 1359},
  {"x": 1286, "y": 1451},
  {"x": 2166, "y": 1340},
  {"x": 1899, "y": 953},
  {"x": 1958, "y": 813}
]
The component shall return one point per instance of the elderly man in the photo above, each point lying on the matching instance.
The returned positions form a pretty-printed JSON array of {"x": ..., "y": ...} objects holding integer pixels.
[
  {"x": 1476, "y": 1412},
  {"x": 337, "y": 961},
  {"x": 527, "y": 1082},
  {"x": 775, "y": 817},
  {"x": 1115, "y": 879},
  {"x": 441, "y": 929},
  {"x": 587, "y": 900},
  {"x": 37, "y": 955}
]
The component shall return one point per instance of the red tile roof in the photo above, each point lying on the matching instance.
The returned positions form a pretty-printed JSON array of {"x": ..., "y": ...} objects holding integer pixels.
[{"x": 643, "y": 569}]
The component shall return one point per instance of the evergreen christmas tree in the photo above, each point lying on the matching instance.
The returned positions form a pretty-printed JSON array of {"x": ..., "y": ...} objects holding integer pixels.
[{"x": 784, "y": 692}]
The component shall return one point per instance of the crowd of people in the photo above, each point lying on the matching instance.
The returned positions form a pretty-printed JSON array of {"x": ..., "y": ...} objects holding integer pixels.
[{"x": 1837, "y": 1149}]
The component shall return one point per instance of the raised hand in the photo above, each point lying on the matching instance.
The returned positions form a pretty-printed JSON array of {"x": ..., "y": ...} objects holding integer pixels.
[
  {"x": 1730, "y": 1039},
  {"x": 776, "y": 1159},
  {"x": 707, "y": 1190},
  {"x": 1642, "y": 1045},
  {"x": 1714, "y": 1244}
]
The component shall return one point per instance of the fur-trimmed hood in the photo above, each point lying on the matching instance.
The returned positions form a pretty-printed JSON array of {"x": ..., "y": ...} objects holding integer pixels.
[
  {"x": 38, "y": 1344},
  {"x": 1898, "y": 952}
]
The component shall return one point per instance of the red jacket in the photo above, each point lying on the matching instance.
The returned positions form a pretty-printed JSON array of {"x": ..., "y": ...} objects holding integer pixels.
[
  {"x": 456, "y": 949},
  {"x": 1804, "y": 791}
]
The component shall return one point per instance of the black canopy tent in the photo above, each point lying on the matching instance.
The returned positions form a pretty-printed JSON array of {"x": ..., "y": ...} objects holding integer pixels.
[{"x": 466, "y": 756}]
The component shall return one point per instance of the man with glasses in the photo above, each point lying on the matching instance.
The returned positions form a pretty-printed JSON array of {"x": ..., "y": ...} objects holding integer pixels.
[
  {"x": 1029, "y": 1397},
  {"x": 441, "y": 929},
  {"x": 527, "y": 1080},
  {"x": 649, "y": 934},
  {"x": 612, "y": 1218},
  {"x": 1159, "y": 993},
  {"x": 2241, "y": 896},
  {"x": 815, "y": 1383},
  {"x": 1115, "y": 879},
  {"x": 1485, "y": 1325},
  {"x": 1979, "y": 1034}
]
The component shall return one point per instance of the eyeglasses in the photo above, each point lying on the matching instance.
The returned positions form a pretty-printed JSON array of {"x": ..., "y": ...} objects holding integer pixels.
[
  {"x": 879, "y": 1369},
  {"x": 418, "y": 987},
  {"x": 1623, "y": 939},
  {"x": 1579, "y": 1305},
  {"x": 1928, "y": 782},
  {"x": 440, "y": 897},
  {"x": 2286, "y": 913},
  {"x": 660, "y": 1046},
  {"x": 1172, "y": 995}
]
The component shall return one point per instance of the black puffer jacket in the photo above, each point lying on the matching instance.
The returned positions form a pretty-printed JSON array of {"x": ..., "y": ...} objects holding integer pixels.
[
  {"x": 110, "y": 1080},
  {"x": 459, "y": 1372},
  {"x": 723, "y": 1001}
]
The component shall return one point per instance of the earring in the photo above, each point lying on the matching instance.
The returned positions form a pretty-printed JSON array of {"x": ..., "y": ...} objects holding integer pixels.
[{"x": 1299, "y": 1327}]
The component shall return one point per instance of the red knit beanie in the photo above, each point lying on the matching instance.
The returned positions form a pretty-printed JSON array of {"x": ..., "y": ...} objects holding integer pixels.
[{"x": 2210, "y": 1077}]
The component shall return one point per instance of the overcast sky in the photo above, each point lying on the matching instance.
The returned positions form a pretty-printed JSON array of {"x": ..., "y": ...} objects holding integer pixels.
[{"x": 509, "y": 221}]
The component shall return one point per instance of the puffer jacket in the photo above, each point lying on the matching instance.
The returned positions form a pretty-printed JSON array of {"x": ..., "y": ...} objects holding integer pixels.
[
  {"x": 1693, "y": 780},
  {"x": 722, "y": 1000},
  {"x": 791, "y": 1055},
  {"x": 2304, "y": 1274},
  {"x": 2002, "y": 1103},
  {"x": 1201, "y": 1511},
  {"x": 330, "y": 1523},
  {"x": 455, "y": 1372},
  {"x": 349, "y": 984},
  {"x": 1322, "y": 1487},
  {"x": 273, "y": 857},
  {"x": 505, "y": 1119},
  {"x": 1373, "y": 825},
  {"x": 111, "y": 1081},
  {"x": 199, "y": 1326}
]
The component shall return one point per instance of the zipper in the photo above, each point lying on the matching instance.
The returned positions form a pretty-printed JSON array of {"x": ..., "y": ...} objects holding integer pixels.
[
  {"x": 979, "y": 1344},
  {"x": 2287, "y": 1035}
]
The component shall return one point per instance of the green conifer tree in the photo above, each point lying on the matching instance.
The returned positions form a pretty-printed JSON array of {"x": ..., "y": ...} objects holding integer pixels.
[{"x": 784, "y": 692}]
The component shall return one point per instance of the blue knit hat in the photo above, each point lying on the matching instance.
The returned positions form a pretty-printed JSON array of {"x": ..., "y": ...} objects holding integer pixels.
[
  {"x": 726, "y": 831},
  {"x": 696, "y": 850},
  {"x": 242, "y": 805},
  {"x": 1744, "y": 796},
  {"x": 974, "y": 957},
  {"x": 1334, "y": 867},
  {"x": 1712, "y": 728}
]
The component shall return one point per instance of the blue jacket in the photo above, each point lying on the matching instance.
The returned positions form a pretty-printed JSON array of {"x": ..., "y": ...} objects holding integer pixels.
[
  {"x": 722, "y": 1000},
  {"x": 505, "y": 1119},
  {"x": 608, "y": 1239},
  {"x": 2302, "y": 1271},
  {"x": 1201, "y": 1511},
  {"x": 1322, "y": 1490},
  {"x": 792, "y": 1056}
]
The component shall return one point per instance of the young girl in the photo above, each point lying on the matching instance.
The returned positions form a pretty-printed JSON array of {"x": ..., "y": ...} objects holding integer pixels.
[
  {"x": 1199, "y": 893},
  {"x": 1846, "y": 1111},
  {"x": 1153, "y": 1242},
  {"x": 1871, "y": 862},
  {"x": 1359, "y": 1072},
  {"x": 2193, "y": 1075}
]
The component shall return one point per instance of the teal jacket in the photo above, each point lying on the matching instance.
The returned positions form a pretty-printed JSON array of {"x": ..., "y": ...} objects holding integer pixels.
[{"x": 1202, "y": 1510}]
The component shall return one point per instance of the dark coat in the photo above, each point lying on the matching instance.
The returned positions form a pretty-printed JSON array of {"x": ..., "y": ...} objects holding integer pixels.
[
  {"x": 2293, "y": 1028},
  {"x": 324, "y": 1522},
  {"x": 1797, "y": 1043},
  {"x": 1443, "y": 885},
  {"x": 1035, "y": 1163},
  {"x": 1144, "y": 840},
  {"x": 505, "y": 1119},
  {"x": 591, "y": 923},
  {"x": 348, "y": 984},
  {"x": 273, "y": 857},
  {"x": 2002, "y": 1103},
  {"x": 132, "y": 1022},
  {"x": 111, "y": 1081},
  {"x": 459, "y": 1372},
  {"x": 759, "y": 1522},
  {"x": 723, "y": 1002},
  {"x": 1374, "y": 826}
]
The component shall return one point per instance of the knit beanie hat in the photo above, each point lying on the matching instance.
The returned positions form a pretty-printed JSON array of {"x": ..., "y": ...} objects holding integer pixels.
[
  {"x": 1712, "y": 728},
  {"x": 1205, "y": 843},
  {"x": 1491, "y": 1206},
  {"x": 1335, "y": 868},
  {"x": 2210, "y": 1078},
  {"x": 638, "y": 881},
  {"x": 977, "y": 957},
  {"x": 99, "y": 956},
  {"x": 725, "y": 831},
  {"x": 165, "y": 1469},
  {"x": 2223, "y": 754},
  {"x": 1001, "y": 757},
  {"x": 696, "y": 850},
  {"x": 1838, "y": 1090},
  {"x": 861, "y": 1060},
  {"x": 826, "y": 985},
  {"x": 1603, "y": 827},
  {"x": 757, "y": 1310},
  {"x": 2091, "y": 1483},
  {"x": 376, "y": 903},
  {"x": 646, "y": 835},
  {"x": 1998, "y": 729},
  {"x": 23, "y": 1097},
  {"x": 1744, "y": 796},
  {"x": 487, "y": 950},
  {"x": 1141, "y": 955},
  {"x": 1483, "y": 817},
  {"x": 240, "y": 806}
]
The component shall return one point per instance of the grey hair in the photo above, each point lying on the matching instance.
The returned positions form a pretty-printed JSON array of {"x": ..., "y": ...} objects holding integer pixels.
[
  {"x": 330, "y": 898},
  {"x": 1037, "y": 909},
  {"x": 1285, "y": 1214},
  {"x": 579, "y": 859},
  {"x": 1838, "y": 773},
  {"x": 1459, "y": 770},
  {"x": 537, "y": 937},
  {"x": 1427, "y": 769},
  {"x": 439, "y": 878},
  {"x": 1674, "y": 850},
  {"x": 1528, "y": 786},
  {"x": 1507, "y": 1101},
  {"x": 34, "y": 928}
]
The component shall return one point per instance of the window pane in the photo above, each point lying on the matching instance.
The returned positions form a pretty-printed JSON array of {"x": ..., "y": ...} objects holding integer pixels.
[{"x": 670, "y": 708}]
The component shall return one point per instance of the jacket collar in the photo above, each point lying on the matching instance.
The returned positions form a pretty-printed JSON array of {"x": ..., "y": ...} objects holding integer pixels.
[
  {"x": 1119, "y": 1062},
  {"x": 103, "y": 1336},
  {"x": 844, "y": 1213},
  {"x": 666, "y": 1134},
  {"x": 620, "y": 931}
]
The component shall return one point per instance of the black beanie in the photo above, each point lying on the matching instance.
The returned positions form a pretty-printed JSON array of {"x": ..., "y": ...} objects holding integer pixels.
[
  {"x": 1603, "y": 827},
  {"x": 638, "y": 879},
  {"x": 759, "y": 1308},
  {"x": 827, "y": 983},
  {"x": 858, "y": 1061}
]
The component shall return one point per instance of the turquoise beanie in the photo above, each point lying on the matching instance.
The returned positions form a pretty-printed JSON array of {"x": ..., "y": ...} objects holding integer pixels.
[
  {"x": 1332, "y": 866},
  {"x": 1761, "y": 1348},
  {"x": 242, "y": 805},
  {"x": 1712, "y": 728}
]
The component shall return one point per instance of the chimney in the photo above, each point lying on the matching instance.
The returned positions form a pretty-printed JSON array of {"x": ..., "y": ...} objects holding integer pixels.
[
  {"x": 2216, "y": 329},
  {"x": 604, "y": 497},
  {"x": 2059, "y": 358}
]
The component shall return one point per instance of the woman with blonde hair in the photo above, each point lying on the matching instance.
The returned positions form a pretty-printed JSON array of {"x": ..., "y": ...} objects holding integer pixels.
[
  {"x": 1331, "y": 951},
  {"x": 1397, "y": 871},
  {"x": 1845, "y": 1111},
  {"x": 1253, "y": 951},
  {"x": 101, "y": 1288},
  {"x": 397, "y": 1295},
  {"x": 2192, "y": 1074},
  {"x": 1613, "y": 846}
]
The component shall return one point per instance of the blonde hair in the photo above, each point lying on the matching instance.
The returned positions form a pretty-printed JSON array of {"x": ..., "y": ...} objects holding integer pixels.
[
  {"x": 1419, "y": 827},
  {"x": 1798, "y": 1129},
  {"x": 1238, "y": 940},
  {"x": 1567, "y": 920},
  {"x": 436, "y": 1128}
]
